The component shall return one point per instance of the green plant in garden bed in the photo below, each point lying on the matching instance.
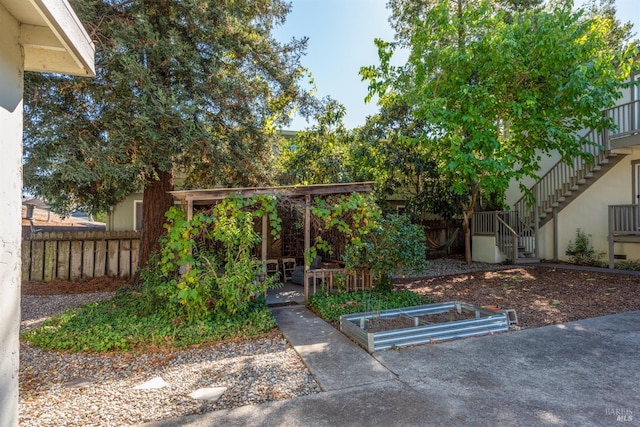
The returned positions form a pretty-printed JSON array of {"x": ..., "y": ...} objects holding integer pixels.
[
  {"x": 123, "y": 324},
  {"x": 330, "y": 307}
]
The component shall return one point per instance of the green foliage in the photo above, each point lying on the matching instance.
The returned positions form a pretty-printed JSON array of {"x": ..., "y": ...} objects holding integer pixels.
[
  {"x": 123, "y": 324},
  {"x": 195, "y": 86},
  {"x": 497, "y": 90},
  {"x": 192, "y": 280},
  {"x": 352, "y": 215},
  {"x": 582, "y": 251},
  {"x": 383, "y": 244},
  {"x": 394, "y": 244},
  {"x": 385, "y": 151},
  {"x": 330, "y": 307},
  {"x": 319, "y": 154},
  {"x": 628, "y": 264}
]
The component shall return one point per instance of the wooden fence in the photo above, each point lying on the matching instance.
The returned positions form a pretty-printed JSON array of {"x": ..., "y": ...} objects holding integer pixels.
[{"x": 75, "y": 255}]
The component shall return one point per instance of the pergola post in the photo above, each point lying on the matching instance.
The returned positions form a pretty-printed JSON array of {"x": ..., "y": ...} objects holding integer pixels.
[
  {"x": 307, "y": 243},
  {"x": 189, "y": 209},
  {"x": 265, "y": 231}
]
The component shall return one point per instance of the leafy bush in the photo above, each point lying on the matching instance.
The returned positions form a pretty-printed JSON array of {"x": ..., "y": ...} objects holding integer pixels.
[
  {"x": 330, "y": 307},
  {"x": 385, "y": 245},
  {"x": 393, "y": 244},
  {"x": 117, "y": 324},
  {"x": 582, "y": 251},
  {"x": 205, "y": 264}
]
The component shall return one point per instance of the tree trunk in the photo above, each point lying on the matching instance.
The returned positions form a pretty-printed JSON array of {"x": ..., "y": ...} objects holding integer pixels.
[
  {"x": 467, "y": 214},
  {"x": 156, "y": 201},
  {"x": 467, "y": 238}
]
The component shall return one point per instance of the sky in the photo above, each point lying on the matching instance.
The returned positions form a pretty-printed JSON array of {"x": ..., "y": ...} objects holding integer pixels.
[{"x": 341, "y": 34}]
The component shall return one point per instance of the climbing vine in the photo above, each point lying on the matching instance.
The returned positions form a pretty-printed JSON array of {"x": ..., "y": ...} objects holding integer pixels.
[
  {"x": 383, "y": 244},
  {"x": 205, "y": 266}
]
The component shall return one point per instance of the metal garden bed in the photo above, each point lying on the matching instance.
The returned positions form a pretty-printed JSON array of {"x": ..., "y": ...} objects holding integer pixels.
[{"x": 421, "y": 328}]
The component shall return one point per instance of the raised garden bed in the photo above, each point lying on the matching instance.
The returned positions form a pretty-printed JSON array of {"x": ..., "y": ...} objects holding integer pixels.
[{"x": 423, "y": 324}]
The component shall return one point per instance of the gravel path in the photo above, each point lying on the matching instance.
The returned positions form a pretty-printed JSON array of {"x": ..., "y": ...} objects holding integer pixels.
[{"x": 65, "y": 389}]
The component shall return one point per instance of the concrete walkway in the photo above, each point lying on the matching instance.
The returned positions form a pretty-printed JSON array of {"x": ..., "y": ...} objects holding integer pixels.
[{"x": 584, "y": 373}]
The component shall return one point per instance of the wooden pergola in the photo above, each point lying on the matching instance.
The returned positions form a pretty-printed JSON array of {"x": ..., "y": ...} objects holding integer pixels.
[{"x": 300, "y": 194}]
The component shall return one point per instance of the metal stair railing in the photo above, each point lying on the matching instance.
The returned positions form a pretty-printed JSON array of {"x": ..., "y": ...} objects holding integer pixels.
[{"x": 561, "y": 179}]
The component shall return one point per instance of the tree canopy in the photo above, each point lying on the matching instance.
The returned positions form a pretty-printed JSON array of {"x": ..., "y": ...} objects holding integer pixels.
[
  {"x": 499, "y": 87},
  {"x": 192, "y": 86}
]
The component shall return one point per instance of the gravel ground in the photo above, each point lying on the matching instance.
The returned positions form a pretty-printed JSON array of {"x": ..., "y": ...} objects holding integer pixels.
[{"x": 64, "y": 389}]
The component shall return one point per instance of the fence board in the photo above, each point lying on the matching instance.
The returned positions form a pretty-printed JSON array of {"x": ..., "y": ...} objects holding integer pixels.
[
  {"x": 134, "y": 256},
  {"x": 88, "y": 252},
  {"x": 125, "y": 258},
  {"x": 113, "y": 246},
  {"x": 100, "y": 267},
  {"x": 64, "y": 257},
  {"x": 75, "y": 266},
  {"x": 26, "y": 259},
  {"x": 50, "y": 252},
  {"x": 37, "y": 260}
]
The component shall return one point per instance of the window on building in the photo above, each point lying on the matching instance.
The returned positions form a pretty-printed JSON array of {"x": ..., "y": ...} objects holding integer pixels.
[{"x": 137, "y": 215}]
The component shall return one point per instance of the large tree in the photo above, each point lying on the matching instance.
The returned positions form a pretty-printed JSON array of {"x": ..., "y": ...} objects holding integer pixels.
[
  {"x": 501, "y": 87},
  {"x": 321, "y": 153},
  {"x": 384, "y": 150},
  {"x": 192, "y": 86}
]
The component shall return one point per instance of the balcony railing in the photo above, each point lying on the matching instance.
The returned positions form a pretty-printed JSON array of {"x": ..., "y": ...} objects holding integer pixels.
[
  {"x": 626, "y": 118},
  {"x": 623, "y": 227},
  {"x": 623, "y": 219}
]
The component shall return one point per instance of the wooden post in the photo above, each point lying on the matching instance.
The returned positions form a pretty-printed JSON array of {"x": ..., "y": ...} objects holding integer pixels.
[
  {"x": 555, "y": 234},
  {"x": 536, "y": 223},
  {"x": 611, "y": 245},
  {"x": 307, "y": 243},
  {"x": 187, "y": 267},
  {"x": 265, "y": 234},
  {"x": 189, "y": 209}
]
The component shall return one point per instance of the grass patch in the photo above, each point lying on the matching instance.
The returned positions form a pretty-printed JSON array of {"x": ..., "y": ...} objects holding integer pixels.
[
  {"x": 331, "y": 307},
  {"x": 123, "y": 324}
]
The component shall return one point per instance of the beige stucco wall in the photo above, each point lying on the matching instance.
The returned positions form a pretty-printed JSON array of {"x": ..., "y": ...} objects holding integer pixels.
[
  {"x": 122, "y": 216},
  {"x": 485, "y": 250},
  {"x": 11, "y": 70}
]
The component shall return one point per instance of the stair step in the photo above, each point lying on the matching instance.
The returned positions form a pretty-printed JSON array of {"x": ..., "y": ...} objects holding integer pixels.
[{"x": 527, "y": 260}]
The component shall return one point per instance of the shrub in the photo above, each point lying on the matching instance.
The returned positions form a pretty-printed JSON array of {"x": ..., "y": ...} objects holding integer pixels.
[
  {"x": 330, "y": 307},
  {"x": 393, "y": 244},
  {"x": 582, "y": 251}
]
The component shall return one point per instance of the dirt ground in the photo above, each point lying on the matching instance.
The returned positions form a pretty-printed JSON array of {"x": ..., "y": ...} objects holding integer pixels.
[
  {"x": 540, "y": 295},
  {"x": 82, "y": 286}
]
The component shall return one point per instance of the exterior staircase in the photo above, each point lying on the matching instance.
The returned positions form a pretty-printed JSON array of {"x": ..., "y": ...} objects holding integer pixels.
[
  {"x": 516, "y": 230},
  {"x": 563, "y": 182}
]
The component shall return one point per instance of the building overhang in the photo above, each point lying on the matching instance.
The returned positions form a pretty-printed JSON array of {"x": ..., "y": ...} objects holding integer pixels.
[{"x": 52, "y": 37}]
